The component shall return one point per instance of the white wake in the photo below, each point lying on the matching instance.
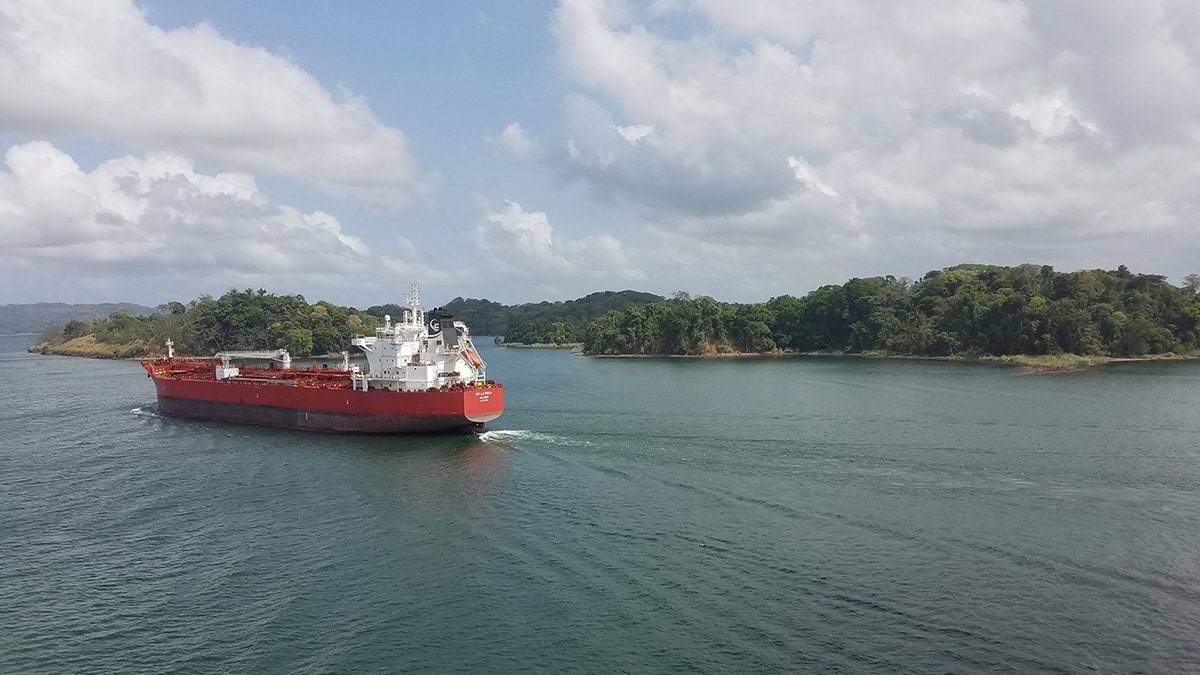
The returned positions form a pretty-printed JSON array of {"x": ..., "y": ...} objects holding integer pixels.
[{"x": 514, "y": 437}]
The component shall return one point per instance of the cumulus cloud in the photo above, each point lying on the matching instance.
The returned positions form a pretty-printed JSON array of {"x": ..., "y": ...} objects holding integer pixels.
[
  {"x": 98, "y": 69},
  {"x": 633, "y": 133},
  {"x": 524, "y": 243},
  {"x": 806, "y": 175},
  {"x": 916, "y": 124},
  {"x": 156, "y": 215},
  {"x": 517, "y": 141}
]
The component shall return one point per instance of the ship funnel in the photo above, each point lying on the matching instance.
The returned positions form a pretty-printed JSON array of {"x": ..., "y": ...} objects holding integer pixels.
[{"x": 440, "y": 321}]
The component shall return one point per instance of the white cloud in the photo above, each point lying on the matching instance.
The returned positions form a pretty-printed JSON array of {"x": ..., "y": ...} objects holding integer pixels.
[
  {"x": 524, "y": 243},
  {"x": 517, "y": 141},
  {"x": 1050, "y": 115},
  {"x": 156, "y": 215},
  {"x": 633, "y": 133},
  {"x": 992, "y": 128},
  {"x": 528, "y": 235},
  {"x": 808, "y": 176},
  {"x": 97, "y": 68}
]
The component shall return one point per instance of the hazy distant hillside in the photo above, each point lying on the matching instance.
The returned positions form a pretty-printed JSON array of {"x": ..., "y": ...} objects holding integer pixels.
[
  {"x": 42, "y": 316},
  {"x": 485, "y": 317},
  {"x": 490, "y": 318}
]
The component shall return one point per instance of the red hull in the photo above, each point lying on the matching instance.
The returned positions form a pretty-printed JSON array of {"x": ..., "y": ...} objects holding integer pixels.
[{"x": 319, "y": 400}]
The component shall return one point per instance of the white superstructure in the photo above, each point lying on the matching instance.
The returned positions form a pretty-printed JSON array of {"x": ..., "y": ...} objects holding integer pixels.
[{"x": 418, "y": 352}]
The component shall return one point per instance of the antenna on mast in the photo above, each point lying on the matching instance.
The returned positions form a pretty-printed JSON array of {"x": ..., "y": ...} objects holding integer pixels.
[{"x": 414, "y": 305}]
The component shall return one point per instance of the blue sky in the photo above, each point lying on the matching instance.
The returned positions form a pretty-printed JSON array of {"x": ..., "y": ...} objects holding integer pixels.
[{"x": 160, "y": 150}]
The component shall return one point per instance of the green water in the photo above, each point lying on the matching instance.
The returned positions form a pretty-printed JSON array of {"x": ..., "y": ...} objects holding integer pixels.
[{"x": 831, "y": 515}]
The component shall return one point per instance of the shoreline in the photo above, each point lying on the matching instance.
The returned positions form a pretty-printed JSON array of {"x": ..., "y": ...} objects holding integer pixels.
[
  {"x": 1060, "y": 363},
  {"x": 577, "y": 346},
  {"x": 90, "y": 349}
]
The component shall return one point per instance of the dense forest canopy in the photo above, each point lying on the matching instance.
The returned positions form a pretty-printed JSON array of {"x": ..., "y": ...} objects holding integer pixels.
[
  {"x": 237, "y": 320},
  {"x": 542, "y": 322},
  {"x": 970, "y": 310}
]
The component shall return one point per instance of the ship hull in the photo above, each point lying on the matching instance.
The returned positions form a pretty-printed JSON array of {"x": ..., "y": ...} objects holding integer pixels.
[{"x": 330, "y": 410}]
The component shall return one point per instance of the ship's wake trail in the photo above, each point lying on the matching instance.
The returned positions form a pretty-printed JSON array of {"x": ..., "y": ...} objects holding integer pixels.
[
  {"x": 503, "y": 436},
  {"x": 517, "y": 437}
]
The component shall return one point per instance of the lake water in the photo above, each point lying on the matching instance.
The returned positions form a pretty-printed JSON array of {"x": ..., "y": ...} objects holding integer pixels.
[{"x": 641, "y": 515}]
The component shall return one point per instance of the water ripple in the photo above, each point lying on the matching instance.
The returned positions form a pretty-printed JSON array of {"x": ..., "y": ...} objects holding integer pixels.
[{"x": 673, "y": 516}]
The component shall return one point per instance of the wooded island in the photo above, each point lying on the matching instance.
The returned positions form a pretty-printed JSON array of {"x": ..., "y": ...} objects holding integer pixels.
[{"x": 966, "y": 310}]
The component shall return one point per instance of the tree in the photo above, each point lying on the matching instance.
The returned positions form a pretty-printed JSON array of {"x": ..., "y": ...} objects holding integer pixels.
[
  {"x": 298, "y": 341},
  {"x": 788, "y": 324},
  {"x": 750, "y": 328},
  {"x": 75, "y": 329},
  {"x": 604, "y": 335}
]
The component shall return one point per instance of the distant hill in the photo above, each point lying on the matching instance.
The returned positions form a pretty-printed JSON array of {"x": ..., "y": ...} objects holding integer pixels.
[
  {"x": 485, "y": 317},
  {"x": 42, "y": 316}
]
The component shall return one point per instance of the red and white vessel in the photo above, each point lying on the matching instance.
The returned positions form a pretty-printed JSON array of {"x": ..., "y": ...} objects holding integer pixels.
[{"x": 423, "y": 374}]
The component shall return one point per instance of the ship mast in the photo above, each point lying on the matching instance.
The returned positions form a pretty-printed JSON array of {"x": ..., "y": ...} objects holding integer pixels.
[{"x": 416, "y": 316}]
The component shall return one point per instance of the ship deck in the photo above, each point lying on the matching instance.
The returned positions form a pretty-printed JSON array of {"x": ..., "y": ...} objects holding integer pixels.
[{"x": 322, "y": 377}]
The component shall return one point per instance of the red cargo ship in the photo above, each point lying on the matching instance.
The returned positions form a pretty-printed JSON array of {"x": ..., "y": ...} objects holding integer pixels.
[{"x": 423, "y": 374}]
